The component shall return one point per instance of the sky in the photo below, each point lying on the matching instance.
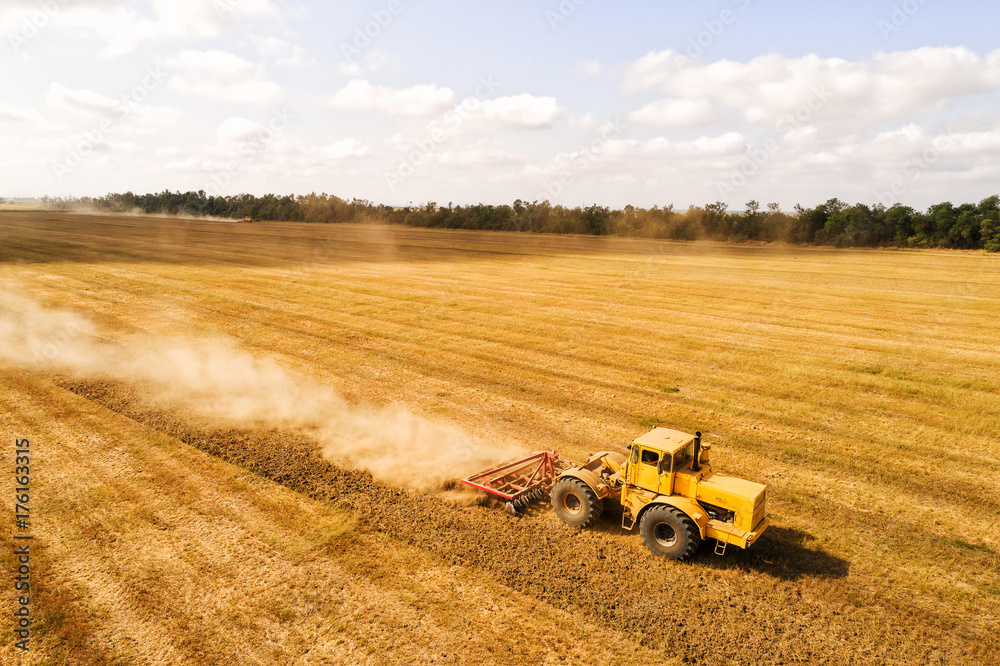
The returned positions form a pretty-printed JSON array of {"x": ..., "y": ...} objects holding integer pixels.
[{"x": 664, "y": 102}]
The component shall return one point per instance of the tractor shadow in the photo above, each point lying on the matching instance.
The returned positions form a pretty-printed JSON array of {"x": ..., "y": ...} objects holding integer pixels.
[{"x": 782, "y": 552}]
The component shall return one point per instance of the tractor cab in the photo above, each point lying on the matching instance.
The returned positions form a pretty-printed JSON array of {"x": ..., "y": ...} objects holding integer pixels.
[{"x": 656, "y": 457}]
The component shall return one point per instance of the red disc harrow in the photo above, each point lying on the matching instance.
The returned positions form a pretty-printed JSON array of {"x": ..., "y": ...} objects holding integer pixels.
[{"x": 522, "y": 481}]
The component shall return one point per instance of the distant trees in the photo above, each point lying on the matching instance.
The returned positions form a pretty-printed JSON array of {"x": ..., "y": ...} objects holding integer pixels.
[
  {"x": 989, "y": 229},
  {"x": 835, "y": 222},
  {"x": 269, "y": 206}
]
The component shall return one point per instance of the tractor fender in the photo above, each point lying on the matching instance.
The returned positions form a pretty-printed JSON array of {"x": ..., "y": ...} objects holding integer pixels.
[
  {"x": 609, "y": 460},
  {"x": 689, "y": 507},
  {"x": 595, "y": 482}
]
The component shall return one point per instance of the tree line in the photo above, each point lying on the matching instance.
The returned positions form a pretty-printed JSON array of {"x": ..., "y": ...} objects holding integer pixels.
[{"x": 945, "y": 225}]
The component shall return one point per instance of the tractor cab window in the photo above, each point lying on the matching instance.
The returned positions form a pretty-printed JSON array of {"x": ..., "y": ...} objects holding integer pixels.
[
  {"x": 650, "y": 457},
  {"x": 684, "y": 456}
]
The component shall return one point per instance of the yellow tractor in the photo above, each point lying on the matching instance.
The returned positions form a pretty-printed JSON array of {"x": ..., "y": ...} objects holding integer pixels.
[{"x": 665, "y": 485}]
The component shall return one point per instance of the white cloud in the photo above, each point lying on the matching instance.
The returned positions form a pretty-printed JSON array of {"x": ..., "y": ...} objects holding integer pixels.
[
  {"x": 129, "y": 116},
  {"x": 123, "y": 25},
  {"x": 769, "y": 88},
  {"x": 86, "y": 102},
  {"x": 590, "y": 68},
  {"x": 283, "y": 52},
  {"x": 476, "y": 152},
  {"x": 912, "y": 142},
  {"x": 345, "y": 148},
  {"x": 351, "y": 69},
  {"x": 249, "y": 152},
  {"x": 239, "y": 130},
  {"x": 120, "y": 28},
  {"x": 674, "y": 113},
  {"x": 619, "y": 156},
  {"x": 729, "y": 143},
  {"x": 372, "y": 61},
  {"x": 220, "y": 75},
  {"x": 976, "y": 143},
  {"x": 10, "y": 113},
  {"x": 420, "y": 100},
  {"x": 204, "y": 18},
  {"x": 522, "y": 111},
  {"x": 215, "y": 63}
]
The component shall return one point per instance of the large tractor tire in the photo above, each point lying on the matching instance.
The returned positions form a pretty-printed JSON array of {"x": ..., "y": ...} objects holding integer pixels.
[
  {"x": 668, "y": 532},
  {"x": 575, "y": 502}
]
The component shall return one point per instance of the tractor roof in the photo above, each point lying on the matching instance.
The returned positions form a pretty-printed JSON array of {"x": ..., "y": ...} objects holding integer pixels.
[{"x": 665, "y": 439}]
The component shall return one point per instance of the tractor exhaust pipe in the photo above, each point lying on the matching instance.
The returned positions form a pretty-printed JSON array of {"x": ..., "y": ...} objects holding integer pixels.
[{"x": 695, "y": 464}]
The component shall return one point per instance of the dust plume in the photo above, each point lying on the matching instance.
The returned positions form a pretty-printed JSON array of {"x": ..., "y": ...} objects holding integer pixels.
[
  {"x": 215, "y": 380},
  {"x": 135, "y": 211}
]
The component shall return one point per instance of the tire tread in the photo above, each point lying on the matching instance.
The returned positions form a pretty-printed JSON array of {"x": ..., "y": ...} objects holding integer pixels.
[
  {"x": 593, "y": 505},
  {"x": 691, "y": 535}
]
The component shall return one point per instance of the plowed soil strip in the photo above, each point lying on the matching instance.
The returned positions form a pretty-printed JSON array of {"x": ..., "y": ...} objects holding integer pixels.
[{"x": 749, "y": 607}]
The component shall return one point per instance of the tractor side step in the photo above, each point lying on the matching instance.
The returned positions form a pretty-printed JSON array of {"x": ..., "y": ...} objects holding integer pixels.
[{"x": 720, "y": 546}]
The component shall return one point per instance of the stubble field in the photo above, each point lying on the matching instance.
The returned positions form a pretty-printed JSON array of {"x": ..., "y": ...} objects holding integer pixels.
[{"x": 863, "y": 387}]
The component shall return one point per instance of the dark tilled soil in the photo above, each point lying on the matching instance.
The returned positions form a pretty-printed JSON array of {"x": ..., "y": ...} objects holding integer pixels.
[{"x": 766, "y": 605}]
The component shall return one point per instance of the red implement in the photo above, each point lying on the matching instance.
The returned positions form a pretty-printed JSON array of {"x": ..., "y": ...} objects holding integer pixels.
[{"x": 520, "y": 481}]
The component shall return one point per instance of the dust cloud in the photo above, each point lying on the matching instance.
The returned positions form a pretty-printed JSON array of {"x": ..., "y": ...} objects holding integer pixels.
[
  {"x": 135, "y": 211},
  {"x": 216, "y": 380}
]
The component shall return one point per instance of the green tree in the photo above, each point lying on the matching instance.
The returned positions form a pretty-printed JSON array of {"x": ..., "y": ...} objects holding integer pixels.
[
  {"x": 716, "y": 220},
  {"x": 964, "y": 232},
  {"x": 748, "y": 225},
  {"x": 989, "y": 230}
]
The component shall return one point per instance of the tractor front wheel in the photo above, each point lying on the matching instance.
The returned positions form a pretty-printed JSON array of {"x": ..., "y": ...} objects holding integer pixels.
[
  {"x": 575, "y": 502},
  {"x": 668, "y": 532}
]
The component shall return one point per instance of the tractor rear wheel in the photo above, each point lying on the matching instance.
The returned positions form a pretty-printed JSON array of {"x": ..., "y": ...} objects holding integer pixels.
[
  {"x": 668, "y": 532},
  {"x": 575, "y": 502}
]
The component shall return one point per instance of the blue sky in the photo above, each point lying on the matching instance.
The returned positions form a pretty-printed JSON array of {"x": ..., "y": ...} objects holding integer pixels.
[{"x": 577, "y": 102}]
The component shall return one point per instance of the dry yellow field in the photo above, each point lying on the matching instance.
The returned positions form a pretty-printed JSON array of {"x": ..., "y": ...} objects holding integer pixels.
[{"x": 863, "y": 387}]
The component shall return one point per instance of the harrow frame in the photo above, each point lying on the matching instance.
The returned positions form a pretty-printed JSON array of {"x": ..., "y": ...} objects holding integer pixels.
[{"x": 519, "y": 482}]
